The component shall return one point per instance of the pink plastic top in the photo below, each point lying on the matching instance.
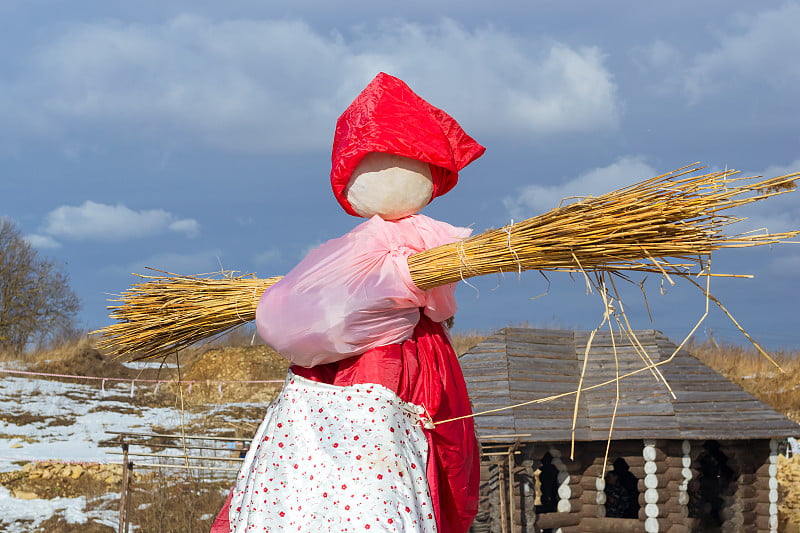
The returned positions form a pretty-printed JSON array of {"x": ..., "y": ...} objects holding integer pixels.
[{"x": 355, "y": 293}]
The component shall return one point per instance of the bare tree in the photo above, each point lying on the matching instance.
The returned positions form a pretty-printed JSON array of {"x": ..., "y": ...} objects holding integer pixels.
[{"x": 37, "y": 304}]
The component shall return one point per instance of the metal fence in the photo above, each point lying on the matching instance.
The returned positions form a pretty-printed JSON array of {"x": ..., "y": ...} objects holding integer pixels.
[{"x": 217, "y": 455}]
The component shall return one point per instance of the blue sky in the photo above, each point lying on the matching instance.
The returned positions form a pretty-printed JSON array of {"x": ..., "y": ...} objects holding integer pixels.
[{"x": 188, "y": 135}]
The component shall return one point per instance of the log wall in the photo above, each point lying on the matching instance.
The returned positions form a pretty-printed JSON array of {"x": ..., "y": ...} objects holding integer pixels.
[{"x": 665, "y": 469}]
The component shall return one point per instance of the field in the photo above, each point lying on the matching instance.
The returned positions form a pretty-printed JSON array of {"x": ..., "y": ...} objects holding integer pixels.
[
  {"x": 54, "y": 463},
  {"x": 56, "y": 474}
]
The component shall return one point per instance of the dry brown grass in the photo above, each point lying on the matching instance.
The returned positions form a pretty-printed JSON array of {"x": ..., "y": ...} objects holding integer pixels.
[
  {"x": 60, "y": 524},
  {"x": 76, "y": 357},
  {"x": 161, "y": 501},
  {"x": 463, "y": 342},
  {"x": 789, "y": 481},
  {"x": 80, "y": 357},
  {"x": 170, "y": 502},
  {"x": 63, "y": 350},
  {"x": 234, "y": 364}
]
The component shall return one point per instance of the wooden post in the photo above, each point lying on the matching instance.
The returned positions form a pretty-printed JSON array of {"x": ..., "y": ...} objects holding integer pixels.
[
  {"x": 123, "y": 495},
  {"x": 503, "y": 515},
  {"x": 129, "y": 470},
  {"x": 509, "y": 460}
]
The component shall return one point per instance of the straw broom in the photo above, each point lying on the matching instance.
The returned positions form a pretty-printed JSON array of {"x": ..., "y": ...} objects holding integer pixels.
[{"x": 665, "y": 225}]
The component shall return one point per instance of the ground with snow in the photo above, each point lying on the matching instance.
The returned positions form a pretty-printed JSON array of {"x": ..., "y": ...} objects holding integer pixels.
[{"x": 54, "y": 421}]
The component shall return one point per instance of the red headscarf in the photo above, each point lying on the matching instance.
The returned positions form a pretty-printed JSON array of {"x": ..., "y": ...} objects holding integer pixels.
[{"x": 389, "y": 117}]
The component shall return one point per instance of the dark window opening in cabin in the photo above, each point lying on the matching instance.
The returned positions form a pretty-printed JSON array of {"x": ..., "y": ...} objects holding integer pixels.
[
  {"x": 622, "y": 491},
  {"x": 711, "y": 488},
  {"x": 547, "y": 496},
  {"x": 548, "y": 483}
]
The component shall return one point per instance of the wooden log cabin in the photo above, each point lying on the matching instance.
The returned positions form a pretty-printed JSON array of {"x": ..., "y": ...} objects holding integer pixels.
[{"x": 704, "y": 459}]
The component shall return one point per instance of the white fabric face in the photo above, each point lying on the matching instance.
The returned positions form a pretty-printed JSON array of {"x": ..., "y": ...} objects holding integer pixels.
[
  {"x": 390, "y": 186},
  {"x": 330, "y": 459}
]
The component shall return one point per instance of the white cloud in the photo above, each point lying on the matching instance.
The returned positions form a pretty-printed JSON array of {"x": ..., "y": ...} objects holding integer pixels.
[
  {"x": 767, "y": 219},
  {"x": 781, "y": 170},
  {"x": 497, "y": 81},
  {"x": 93, "y": 221},
  {"x": 42, "y": 241},
  {"x": 278, "y": 84},
  {"x": 536, "y": 199},
  {"x": 773, "y": 215},
  {"x": 763, "y": 48},
  {"x": 189, "y": 226}
]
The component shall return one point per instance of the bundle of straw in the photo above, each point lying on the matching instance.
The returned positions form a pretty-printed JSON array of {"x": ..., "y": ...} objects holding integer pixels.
[
  {"x": 665, "y": 224},
  {"x": 641, "y": 227},
  {"x": 168, "y": 312}
]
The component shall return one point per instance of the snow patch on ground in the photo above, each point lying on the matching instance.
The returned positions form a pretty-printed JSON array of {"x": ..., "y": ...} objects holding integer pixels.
[
  {"x": 67, "y": 421},
  {"x": 50, "y": 420},
  {"x": 20, "y": 516}
]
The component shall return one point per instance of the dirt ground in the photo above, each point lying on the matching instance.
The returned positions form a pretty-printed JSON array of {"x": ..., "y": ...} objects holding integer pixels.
[
  {"x": 235, "y": 363},
  {"x": 155, "y": 496},
  {"x": 66, "y": 480}
]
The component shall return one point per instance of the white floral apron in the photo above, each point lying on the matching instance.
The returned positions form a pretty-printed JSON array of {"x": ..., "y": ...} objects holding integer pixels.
[{"x": 335, "y": 459}]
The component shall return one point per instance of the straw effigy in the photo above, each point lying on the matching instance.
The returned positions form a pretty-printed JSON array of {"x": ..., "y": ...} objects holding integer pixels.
[{"x": 666, "y": 224}]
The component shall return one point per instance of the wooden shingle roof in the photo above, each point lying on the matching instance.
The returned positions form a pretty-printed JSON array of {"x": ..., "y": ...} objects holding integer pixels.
[{"x": 522, "y": 364}]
